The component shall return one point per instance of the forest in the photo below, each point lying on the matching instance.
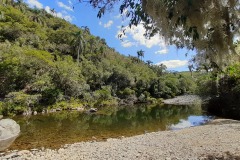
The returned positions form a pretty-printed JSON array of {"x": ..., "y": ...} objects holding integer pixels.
[{"x": 46, "y": 62}]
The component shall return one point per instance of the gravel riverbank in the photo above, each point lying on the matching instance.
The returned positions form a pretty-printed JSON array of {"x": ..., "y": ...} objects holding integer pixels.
[
  {"x": 219, "y": 139},
  {"x": 184, "y": 100}
]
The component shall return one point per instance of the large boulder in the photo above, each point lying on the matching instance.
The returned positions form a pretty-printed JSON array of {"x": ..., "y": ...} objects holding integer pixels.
[{"x": 9, "y": 130}]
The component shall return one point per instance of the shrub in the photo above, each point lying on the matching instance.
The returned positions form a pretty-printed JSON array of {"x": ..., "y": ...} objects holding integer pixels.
[
  {"x": 22, "y": 99},
  {"x": 127, "y": 92}
]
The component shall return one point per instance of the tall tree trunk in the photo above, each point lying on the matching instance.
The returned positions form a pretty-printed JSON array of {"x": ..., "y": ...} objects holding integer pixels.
[{"x": 78, "y": 54}]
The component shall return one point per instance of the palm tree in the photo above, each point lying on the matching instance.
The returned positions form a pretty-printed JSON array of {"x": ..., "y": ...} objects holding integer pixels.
[
  {"x": 91, "y": 42},
  {"x": 102, "y": 51},
  {"x": 79, "y": 43},
  {"x": 37, "y": 16},
  {"x": 149, "y": 62},
  {"x": 86, "y": 29},
  {"x": 162, "y": 68},
  {"x": 190, "y": 67},
  {"x": 140, "y": 54},
  {"x": 53, "y": 12}
]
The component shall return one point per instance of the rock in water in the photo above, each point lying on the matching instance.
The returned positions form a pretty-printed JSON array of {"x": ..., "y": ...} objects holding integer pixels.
[{"x": 9, "y": 130}]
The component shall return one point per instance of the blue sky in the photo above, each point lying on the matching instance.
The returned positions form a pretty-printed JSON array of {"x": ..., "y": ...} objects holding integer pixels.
[{"x": 109, "y": 26}]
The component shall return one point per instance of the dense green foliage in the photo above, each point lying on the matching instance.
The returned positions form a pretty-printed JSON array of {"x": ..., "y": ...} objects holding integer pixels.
[
  {"x": 45, "y": 61},
  {"x": 227, "y": 100}
]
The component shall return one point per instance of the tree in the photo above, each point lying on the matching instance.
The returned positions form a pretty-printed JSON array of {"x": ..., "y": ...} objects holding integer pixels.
[
  {"x": 79, "y": 43},
  {"x": 37, "y": 16},
  {"x": 86, "y": 29},
  {"x": 140, "y": 53},
  {"x": 53, "y": 12},
  {"x": 149, "y": 62},
  {"x": 8, "y": 2},
  {"x": 134, "y": 59},
  {"x": 159, "y": 69},
  {"x": 92, "y": 43},
  {"x": 20, "y": 5},
  {"x": 190, "y": 67},
  {"x": 207, "y": 26}
]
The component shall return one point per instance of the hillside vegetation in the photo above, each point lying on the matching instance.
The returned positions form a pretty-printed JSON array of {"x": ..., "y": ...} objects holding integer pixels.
[{"x": 47, "y": 62}]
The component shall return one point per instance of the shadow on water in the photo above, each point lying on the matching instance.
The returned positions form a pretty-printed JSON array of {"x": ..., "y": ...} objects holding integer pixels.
[{"x": 55, "y": 130}]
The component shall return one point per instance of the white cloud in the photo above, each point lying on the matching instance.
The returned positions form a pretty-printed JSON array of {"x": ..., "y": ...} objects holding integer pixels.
[
  {"x": 236, "y": 38},
  {"x": 108, "y": 24},
  {"x": 127, "y": 44},
  {"x": 182, "y": 124},
  {"x": 100, "y": 23},
  {"x": 136, "y": 35},
  {"x": 163, "y": 51},
  {"x": 48, "y": 9},
  {"x": 68, "y": 18},
  {"x": 34, "y": 3},
  {"x": 117, "y": 16},
  {"x": 174, "y": 63},
  {"x": 70, "y": 2},
  {"x": 62, "y": 14},
  {"x": 125, "y": 11},
  {"x": 64, "y": 6}
]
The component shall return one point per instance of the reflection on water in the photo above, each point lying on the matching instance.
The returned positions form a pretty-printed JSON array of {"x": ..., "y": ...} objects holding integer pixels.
[
  {"x": 54, "y": 130},
  {"x": 190, "y": 122}
]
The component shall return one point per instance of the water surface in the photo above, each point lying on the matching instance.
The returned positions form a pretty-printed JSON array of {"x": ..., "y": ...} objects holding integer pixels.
[{"x": 56, "y": 129}]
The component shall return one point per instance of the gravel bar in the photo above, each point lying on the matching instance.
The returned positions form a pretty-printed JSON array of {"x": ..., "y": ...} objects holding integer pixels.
[{"x": 184, "y": 100}]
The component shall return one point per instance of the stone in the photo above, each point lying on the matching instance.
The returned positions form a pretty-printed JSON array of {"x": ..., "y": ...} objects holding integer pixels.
[
  {"x": 9, "y": 131},
  {"x": 35, "y": 113},
  {"x": 12, "y": 155},
  {"x": 93, "y": 110},
  {"x": 80, "y": 109},
  {"x": 1, "y": 116},
  {"x": 23, "y": 152},
  {"x": 52, "y": 110},
  {"x": 34, "y": 149},
  {"x": 58, "y": 109}
]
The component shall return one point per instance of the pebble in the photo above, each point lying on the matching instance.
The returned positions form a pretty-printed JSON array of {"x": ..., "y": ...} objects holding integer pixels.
[{"x": 23, "y": 152}]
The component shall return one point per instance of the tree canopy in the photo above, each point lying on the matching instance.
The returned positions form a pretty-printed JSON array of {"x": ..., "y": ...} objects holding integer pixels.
[{"x": 208, "y": 27}]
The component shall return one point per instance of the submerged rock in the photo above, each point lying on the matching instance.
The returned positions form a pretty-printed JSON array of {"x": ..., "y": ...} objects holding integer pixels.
[{"x": 9, "y": 130}]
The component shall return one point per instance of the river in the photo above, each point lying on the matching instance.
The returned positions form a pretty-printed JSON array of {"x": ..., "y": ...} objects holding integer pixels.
[{"x": 57, "y": 129}]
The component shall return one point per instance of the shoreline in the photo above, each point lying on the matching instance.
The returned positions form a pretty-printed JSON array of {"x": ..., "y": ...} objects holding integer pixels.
[{"x": 219, "y": 138}]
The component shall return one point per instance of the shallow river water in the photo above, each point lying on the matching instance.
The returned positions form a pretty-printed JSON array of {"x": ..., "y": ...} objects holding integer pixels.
[{"x": 56, "y": 129}]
